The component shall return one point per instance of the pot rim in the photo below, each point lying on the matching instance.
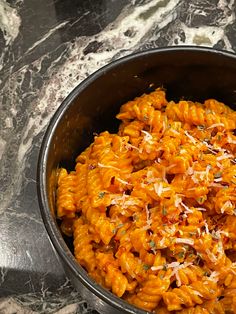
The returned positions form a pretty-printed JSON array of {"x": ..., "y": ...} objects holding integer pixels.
[{"x": 49, "y": 222}]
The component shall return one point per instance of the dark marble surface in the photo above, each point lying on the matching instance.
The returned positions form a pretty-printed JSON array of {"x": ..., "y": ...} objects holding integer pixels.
[{"x": 46, "y": 48}]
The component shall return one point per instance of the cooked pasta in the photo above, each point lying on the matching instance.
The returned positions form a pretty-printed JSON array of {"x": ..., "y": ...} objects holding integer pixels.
[{"x": 152, "y": 208}]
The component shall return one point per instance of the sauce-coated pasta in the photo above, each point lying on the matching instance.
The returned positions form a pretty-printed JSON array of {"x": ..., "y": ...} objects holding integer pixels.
[{"x": 152, "y": 208}]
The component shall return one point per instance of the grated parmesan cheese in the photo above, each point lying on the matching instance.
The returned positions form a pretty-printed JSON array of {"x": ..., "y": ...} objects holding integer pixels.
[
  {"x": 218, "y": 180},
  {"x": 220, "y": 248},
  {"x": 107, "y": 166},
  {"x": 124, "y": 200},
  {"x": 149, "y": 221},
  {"x": 147, "y": 137},
  {"x": 192, "y": 139},
  {"x": 211, "y": 256},
  {"x": 225, "y": 233},
  {"x": 158, "y": 187},
  {"x": 210, "y": 147},
  {"x": 215, "y": 125},
  {"x": 187, "y": 209},
  {"x": 208, "y": 168},
  {"x": 162, "y": 242},
  {"x": 166, "y": 189},
  {"x": 190, "y": 171},
  {"x": 191, "y": 189},
  {"x": 230, "y": 141},
  {"x": 206, "y": 227},
  {"x": 201, "y": 209},
  {"x": 225, "y": 156},
  {"x": 171, "y": 265},
  {"x": 132, "y": 146},
  {"x": 213, "y": 148},
  {"x": 203, "y": 175},
  {"x": 164, "y": 174},
  {"x": 226, "y": 204},
  {"x": 175, "y": 132},
  {"x": 178, "y": 200},
  {"x": 176, "y": 273},
  {"x": 185, "y": 241},
  {"x": 214, "y": 276},
  {"x": 170, "y": 229},
  {"x": 122, "y": 181},
  {"x": 197, "y": 293}
]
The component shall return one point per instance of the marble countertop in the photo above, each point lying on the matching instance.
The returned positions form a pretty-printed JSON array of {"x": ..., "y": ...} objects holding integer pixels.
[{"x": 46, "y": 48}]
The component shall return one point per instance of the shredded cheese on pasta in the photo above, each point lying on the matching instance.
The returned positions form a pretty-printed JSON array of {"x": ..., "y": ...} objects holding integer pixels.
[{"x": 153, "y": 213}]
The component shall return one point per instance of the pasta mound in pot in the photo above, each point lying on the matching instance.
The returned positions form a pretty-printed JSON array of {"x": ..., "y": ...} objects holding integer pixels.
[{"x": 152, "y": 208}]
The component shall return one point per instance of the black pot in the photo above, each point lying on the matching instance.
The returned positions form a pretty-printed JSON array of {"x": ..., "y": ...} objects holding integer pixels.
[{"x": 189, "y": 72}]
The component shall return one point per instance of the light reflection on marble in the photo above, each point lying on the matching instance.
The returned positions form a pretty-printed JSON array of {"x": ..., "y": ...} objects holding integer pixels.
[{"x": 46, "y": 49}]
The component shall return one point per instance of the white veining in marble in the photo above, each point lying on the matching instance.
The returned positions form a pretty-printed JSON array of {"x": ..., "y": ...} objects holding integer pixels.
[
  {"x": 2, "y": 146},
  {"x": 10, "y": 21},
  {"x": 151, "y": 15},
  {"x": 45, "y": 36},
  {"x": 204, "y": 36},
  {"x": 10, "y": 306},
  {"x": 80, "y": 66},
  {"x": 58, "y": 303},
  {"x": 28, "y": 115}
]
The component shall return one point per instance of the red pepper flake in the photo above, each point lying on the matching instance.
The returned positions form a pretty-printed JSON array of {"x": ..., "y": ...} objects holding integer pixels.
[{"x": 91, "y": 167}]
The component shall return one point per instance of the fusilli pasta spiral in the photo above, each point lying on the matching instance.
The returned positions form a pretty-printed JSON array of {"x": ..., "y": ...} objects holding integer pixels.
[{"x": 152, "y": 208}]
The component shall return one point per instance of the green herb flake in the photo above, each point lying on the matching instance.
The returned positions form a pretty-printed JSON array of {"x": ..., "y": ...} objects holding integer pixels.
[
  {"x": 164, "y": 211},
  {"x": 123, "y": 232},
  {"x": 152, "y": 244},
  {"x": 146, "y": 267},
  {"x": 120, "y": 226},
  {"x": 219, "y": 137},
  {"x": 165, "y": 267},
  {"x": 225, "y": 187},
  {"x": 200, "y": 127},
  {"x": 101, "y": 194},
  {"x": 161, "y": 276},
  {"x": 218, "y": 175},
  {"x": 200, "y": 200},
  {"x": 181, "y": 254},
  {"x": 114, "y": 231},
  {"x": 145, "y": 118}
]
